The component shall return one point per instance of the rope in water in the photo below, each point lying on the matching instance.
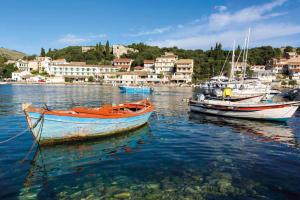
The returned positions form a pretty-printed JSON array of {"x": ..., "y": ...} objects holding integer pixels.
[
  {"x": 13, "y": 137},
  {"x": 23, "y": 132},
  {"x": 37, "y": 140}
]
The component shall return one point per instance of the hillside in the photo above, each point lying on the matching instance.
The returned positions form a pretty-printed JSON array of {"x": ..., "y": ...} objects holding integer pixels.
[{"x": 11, "y": 54}]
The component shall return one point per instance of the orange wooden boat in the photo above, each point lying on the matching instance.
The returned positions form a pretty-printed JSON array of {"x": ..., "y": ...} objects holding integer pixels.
[{"x": 49, "y": 126}]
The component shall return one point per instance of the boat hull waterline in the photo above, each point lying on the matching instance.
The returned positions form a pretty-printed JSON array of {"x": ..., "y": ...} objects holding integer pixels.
[
  {"x": 59, "y": 128},
  {"x": 272, "y": 112}
]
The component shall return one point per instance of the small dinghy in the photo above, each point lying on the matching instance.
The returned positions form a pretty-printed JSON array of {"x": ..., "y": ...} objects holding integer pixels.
[
  {"x": 56, "y": 126},
  {"x": 261, "y": 111},
  {"x": 136, "y": 89}
]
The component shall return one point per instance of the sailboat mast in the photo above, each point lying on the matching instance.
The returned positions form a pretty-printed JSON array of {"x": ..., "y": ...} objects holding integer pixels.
[
  {"x": 232, "y": 62},
  {"x": 243, "y": 61},
  {"x": 247, "y": 50}
]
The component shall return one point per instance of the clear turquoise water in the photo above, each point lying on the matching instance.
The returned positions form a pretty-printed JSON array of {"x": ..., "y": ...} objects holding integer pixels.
[{"x": 177, "y": 156}]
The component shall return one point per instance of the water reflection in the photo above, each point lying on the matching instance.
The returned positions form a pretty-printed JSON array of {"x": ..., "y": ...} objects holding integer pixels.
[
  {"x": 265, "y": 131},
  {"x": 52, "y": 162}
]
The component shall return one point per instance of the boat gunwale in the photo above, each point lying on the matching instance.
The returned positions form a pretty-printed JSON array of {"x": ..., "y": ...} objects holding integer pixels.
[
  {"x": 148, "y": 107},
  {"x": 106, "y": 123}
]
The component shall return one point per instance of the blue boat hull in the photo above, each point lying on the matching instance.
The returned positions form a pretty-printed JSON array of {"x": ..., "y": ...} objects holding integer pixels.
[
  {"x": 127, "y": 89},
  {"x": 55, "y": 128}
]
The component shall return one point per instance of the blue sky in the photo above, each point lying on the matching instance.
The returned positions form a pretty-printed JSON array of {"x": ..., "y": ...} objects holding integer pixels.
[{"x": 29, "y": 25}]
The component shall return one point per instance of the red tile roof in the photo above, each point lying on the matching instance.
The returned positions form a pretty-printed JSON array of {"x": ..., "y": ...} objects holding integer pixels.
[
  {"x": 122, "y": 60},
  {"x": 138, "y": 68},
  {"x": 148, "y": 61}
]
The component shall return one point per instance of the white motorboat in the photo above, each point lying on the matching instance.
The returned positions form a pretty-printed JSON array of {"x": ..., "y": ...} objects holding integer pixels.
[{"x": 261, "y": 111}]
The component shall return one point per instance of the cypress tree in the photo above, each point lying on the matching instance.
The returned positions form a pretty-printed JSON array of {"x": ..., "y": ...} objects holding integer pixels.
[
  {"x": 43, "y": 53},
  {"x": 107, "y": 50}
]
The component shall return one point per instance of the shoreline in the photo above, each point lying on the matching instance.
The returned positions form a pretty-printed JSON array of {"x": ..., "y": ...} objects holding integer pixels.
[
  {"x": 275, "y": 86},
  {"x": 95, "y": 83}
]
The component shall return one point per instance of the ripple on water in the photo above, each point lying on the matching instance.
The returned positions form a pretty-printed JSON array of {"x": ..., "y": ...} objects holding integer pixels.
[{"x": 179, "y": 155}]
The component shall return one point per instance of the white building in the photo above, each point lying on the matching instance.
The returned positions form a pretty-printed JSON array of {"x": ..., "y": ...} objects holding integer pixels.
[
  {"x": 87, "y": 48},
  {"x": 38, "y": 64},
  {"x": 291, "y": 61},
  {"x": 119, "y": 50},
  {"x": 19, "y": 74},
  {"x": 184, "y": 71},
  {"x": 266, "y": 76},
  {"x": 80, "y": 70},
  {"x": 165, "y": 64},
  {"x": 135, "y": 78},
  {"x": 258, "y": 68},
  {"x": 295, "y": 74},
  {"x": 149, "y": 65},
  {"x": 22, "y": 65},
  {"x": 123, "y": 64}
]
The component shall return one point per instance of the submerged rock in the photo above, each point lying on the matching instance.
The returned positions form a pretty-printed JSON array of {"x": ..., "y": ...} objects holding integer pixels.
[
  {"x": 153, "y": 186},
  {"x": 123, "y": 195}
]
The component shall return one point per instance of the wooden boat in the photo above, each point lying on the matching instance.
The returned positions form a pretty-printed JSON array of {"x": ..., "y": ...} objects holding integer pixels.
[
  {"x": 263, "y": 111},
  {"x": 55, "y": 126},
  {"x": 136, "y": 89}
]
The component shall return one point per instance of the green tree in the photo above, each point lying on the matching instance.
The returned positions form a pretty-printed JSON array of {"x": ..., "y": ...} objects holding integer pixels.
[
  {"x": 288, "y": 49},
  {"x": 49, "y": 52},
  {"x": 91, "y": 79},
  {"x": 8, "y": 70},
  {"x": 32, "y": 57},
  {"x": 99, "y": 51},
  {"x": 107, "y": 49},
  {"x": 249, "y": 72},
  {"x": 277, "y": 52},
  {"x": 292, "y": 82},
  {"x": 43, "y": 52},
  {"x": 283, "y": 83}
]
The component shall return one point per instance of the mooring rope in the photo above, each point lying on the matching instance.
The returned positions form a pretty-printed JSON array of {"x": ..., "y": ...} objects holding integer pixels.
[
  {"x": 37, "y": 140},
  {"x": 15, "y": 136}
]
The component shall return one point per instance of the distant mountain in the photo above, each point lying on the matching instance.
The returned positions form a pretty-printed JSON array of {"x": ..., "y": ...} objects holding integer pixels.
[{"x": 11, "y": 54}]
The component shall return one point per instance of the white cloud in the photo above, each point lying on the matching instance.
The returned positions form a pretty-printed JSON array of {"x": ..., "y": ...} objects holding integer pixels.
[
  {"x": 250, "y": 14},
  {"x": 151, "y": 32},
  {"x": 75, "y": 39},
  {"x": 221, "y": 8},
  {"x": 260, "y": 33},
  {"x": 180, "y": 26},
  {"x": 224, "y": 26}
]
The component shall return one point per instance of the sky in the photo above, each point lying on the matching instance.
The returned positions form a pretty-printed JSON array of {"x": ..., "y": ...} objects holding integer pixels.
[{"x": 29, "y": 25}]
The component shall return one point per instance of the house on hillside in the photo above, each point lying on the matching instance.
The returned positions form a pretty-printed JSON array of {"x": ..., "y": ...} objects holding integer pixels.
[
  {"x": 19, "y": 75},
  {"x": 165, "y": 64},
  {"x": 291, "y": 61},
  {"x": 184, "y": 71},
  {"x": 149, "y": 65},
  {"x": 123, "y": 64},
  {"x": 119, "y": 50}
]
